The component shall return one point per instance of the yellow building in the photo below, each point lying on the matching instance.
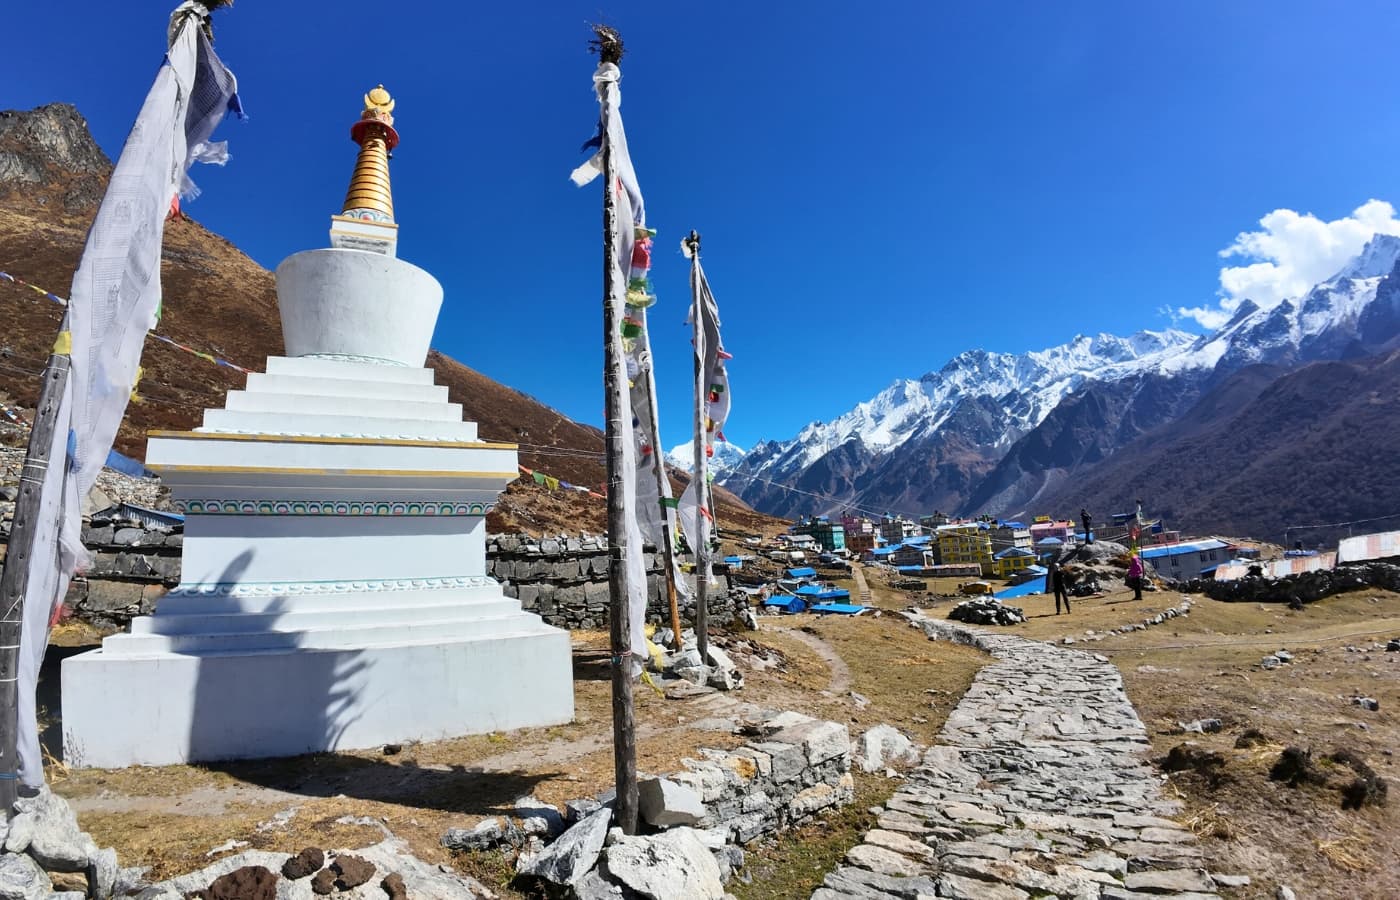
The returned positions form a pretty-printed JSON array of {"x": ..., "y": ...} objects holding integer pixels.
[
  {"x": 1012, "y": 561},
  {"x": 965, "y": 543}
]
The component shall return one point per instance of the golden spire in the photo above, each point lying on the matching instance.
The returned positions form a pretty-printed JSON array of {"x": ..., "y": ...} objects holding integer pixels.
[{"x": 369, "y": 197}]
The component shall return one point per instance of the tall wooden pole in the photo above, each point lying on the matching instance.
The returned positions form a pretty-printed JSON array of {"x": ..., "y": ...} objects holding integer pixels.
[
  {"x": 15, "y": 580},
  {"x": 702, "y": 552},
  {"x": 619, "y": 629}
]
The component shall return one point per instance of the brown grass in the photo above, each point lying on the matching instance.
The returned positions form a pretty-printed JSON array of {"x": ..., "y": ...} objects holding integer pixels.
[{"x": 170, "y": 817}]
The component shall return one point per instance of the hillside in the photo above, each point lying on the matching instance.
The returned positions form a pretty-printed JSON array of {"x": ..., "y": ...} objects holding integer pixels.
[
  {"x": 219, "y": 301},
  {"x": 1264, "y": 451}
]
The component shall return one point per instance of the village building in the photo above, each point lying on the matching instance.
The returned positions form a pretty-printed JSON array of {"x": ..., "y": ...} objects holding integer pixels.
[
  {"x": 1188, "y": 559},
  {"x": 928, "y": 524},
  {"x": 1011, "y": 534},
  {"x": 828, "y": 535},
  {"x": 895, "y": 530},
  {"x": 1062, "y": 530},
  {"x": 800, "y": 541},
  {"x": 965, "y": 543},
  {"x": 860, "y": 542},
  {"x": 911, "y": 554},
  {"x": 1012, "y": 561}
]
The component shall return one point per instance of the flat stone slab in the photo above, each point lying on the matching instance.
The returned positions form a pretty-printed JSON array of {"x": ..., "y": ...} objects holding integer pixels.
[{"x": 1037, "y": 786}]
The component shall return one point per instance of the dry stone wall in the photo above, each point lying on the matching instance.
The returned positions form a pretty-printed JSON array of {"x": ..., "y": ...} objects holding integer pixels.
[
  {"x": 565, "y": 581},
  {"x": 133, "y": 565}
]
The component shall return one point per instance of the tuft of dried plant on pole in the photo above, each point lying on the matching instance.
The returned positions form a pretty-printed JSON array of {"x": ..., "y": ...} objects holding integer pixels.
[{"x": 607, "y": 43}]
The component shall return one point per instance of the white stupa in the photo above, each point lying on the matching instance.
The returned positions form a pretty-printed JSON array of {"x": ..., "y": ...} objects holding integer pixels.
[{"x": 334, "y": 591}]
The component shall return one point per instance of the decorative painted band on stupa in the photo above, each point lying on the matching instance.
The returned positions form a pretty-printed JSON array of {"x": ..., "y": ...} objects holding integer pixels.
[{"x": 357, "y": 301}]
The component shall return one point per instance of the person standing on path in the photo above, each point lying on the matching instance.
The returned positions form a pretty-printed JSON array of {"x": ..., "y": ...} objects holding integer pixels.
[
  {"x": 1055, "y": 580},
  {"x": 1135, "y": 570}
]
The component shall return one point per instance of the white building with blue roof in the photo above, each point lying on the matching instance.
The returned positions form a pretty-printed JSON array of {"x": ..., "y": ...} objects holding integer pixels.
[{"x": 1187, "y": 559}]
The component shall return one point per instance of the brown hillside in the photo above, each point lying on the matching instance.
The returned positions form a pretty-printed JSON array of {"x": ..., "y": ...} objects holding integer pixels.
[{"x": 220, "y": 301}]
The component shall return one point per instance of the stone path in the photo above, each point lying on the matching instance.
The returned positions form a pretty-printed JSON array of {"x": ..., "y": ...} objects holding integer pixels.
[
  {"x": 862, "y": 589},
  {"x": 1039, "y": 787}
]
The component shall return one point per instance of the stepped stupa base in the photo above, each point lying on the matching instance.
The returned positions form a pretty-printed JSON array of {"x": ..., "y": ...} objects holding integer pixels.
[
  {"x": 334, "y": 593},
  {"x": 169, "y": 708}
]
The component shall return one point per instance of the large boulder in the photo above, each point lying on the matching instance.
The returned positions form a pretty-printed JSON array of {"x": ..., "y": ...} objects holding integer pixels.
[
  {"x": 570, "y": 857},
  {"x": 664, "y": 803},
  {"x": 22, "y": 879},
  {"x": 666, "y": 866},
  {"x": 56, "y": 842},
  {"x": 883, "y": 746}
]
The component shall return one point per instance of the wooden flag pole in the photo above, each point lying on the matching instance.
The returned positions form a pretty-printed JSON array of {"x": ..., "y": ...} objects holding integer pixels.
[
  {"x": 697, "y": 474},
  {"x": 15, "y": 580},
  {"x": 608, "y": 44}
]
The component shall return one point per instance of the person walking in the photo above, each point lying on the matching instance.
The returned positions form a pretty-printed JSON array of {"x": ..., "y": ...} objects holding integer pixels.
[
  {"x": 1056, "y": 579},
  {"x": 1135, "y": 570}
]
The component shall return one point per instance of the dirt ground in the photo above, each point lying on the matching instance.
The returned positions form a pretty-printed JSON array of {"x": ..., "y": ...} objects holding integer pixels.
[
  {"x": 171, "y": 818},
  {"x": 1207, "y": 665}
]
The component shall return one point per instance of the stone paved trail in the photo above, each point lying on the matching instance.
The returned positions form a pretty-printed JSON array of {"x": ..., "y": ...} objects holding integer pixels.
[
  {"x": 1039, "y": 787},
  {"x": 862, "y": 589}
]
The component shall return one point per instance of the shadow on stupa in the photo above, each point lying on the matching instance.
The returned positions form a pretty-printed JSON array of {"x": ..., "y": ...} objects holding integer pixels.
[
  {"x": 332, "y": 693},
  {"x": 287, "y": 703}
]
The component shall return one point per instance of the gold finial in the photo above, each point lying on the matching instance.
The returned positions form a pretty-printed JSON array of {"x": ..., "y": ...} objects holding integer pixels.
[
  {"x": 379, "y": 105},
  {"x": 369, "y": 197}
]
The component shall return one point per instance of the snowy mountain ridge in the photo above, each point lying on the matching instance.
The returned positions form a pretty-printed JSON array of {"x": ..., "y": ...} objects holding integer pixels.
[
  {"x": 727, "y": 456},
  {"x": 1021, "y": 390}
]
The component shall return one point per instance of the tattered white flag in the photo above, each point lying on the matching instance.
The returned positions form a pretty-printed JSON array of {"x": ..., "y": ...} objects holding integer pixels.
[
  {"x": 114, "y": 301},
  {"x": 712, "y": 404},
  {"x": 631, "y": 220}
]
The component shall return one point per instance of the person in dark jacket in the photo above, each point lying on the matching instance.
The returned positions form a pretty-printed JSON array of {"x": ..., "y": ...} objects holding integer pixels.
[{"x": 1055, "y": 580}]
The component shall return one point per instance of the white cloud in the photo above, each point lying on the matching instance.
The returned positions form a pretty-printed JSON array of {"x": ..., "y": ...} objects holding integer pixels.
[{"x": 1291, "y": 253}]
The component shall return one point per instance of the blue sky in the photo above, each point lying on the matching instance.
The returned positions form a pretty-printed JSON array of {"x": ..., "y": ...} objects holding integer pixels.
[{"x": 879, "y": 185}]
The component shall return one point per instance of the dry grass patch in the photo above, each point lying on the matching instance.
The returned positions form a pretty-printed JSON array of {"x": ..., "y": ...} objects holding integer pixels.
[{"x": 170, "y": 817}]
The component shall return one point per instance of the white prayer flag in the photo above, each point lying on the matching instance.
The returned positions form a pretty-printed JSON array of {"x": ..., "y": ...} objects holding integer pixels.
[
  {"x": 114, "y": 301},
  {"x": 631, "y": 215}
]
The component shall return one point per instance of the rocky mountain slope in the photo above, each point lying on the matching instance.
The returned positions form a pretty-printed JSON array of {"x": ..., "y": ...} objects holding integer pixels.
[
  {"x": 1265, "y": 449},
  {"x": 52, "y": 176},
  {"x": 1000, "y": 433}
]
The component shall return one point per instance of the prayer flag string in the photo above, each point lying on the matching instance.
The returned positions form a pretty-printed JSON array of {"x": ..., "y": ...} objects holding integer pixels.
[
  {"x": 556, "y": 484},
  {"x": 207, "y": 357}
]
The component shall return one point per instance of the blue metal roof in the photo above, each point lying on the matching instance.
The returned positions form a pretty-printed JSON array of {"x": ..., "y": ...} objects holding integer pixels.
[
  {"x": 910, "y": 569},
  {"x": 805, "y": 572},
  {"x": 918, "y": 540},
  {"x": 1034, "y": 586},
  {"x": 1178, "y": 549},
  {"x": 1012, "y": 551},
  {"x": 1013, "y": 525},
  {"x": 1050, "y": 540},
  {"x": 883, "y": 551}
]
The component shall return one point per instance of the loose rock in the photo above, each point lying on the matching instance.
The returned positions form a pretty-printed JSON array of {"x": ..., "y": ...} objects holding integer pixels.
[{"x": 307, "y": 862}]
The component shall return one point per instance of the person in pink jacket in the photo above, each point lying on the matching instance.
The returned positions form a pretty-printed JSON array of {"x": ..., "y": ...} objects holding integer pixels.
[{"x": 1135, "y": 570}]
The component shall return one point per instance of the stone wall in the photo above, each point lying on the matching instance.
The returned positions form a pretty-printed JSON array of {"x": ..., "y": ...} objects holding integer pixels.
[
  {"x": 132, "y": 566},
  {"x": 1305, "y": 587},
  {"x": 794, "y": 768},
  {"x": 565, "y": 581}
]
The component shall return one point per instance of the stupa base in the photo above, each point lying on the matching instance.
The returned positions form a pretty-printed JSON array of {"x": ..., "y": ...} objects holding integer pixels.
[{"x": 167, "y": 708}]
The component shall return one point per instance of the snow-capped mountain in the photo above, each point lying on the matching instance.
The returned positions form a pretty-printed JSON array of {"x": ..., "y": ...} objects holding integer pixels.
[
  {"x": 726, "y": 457},
  {"x": 988, "y": 431}
]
